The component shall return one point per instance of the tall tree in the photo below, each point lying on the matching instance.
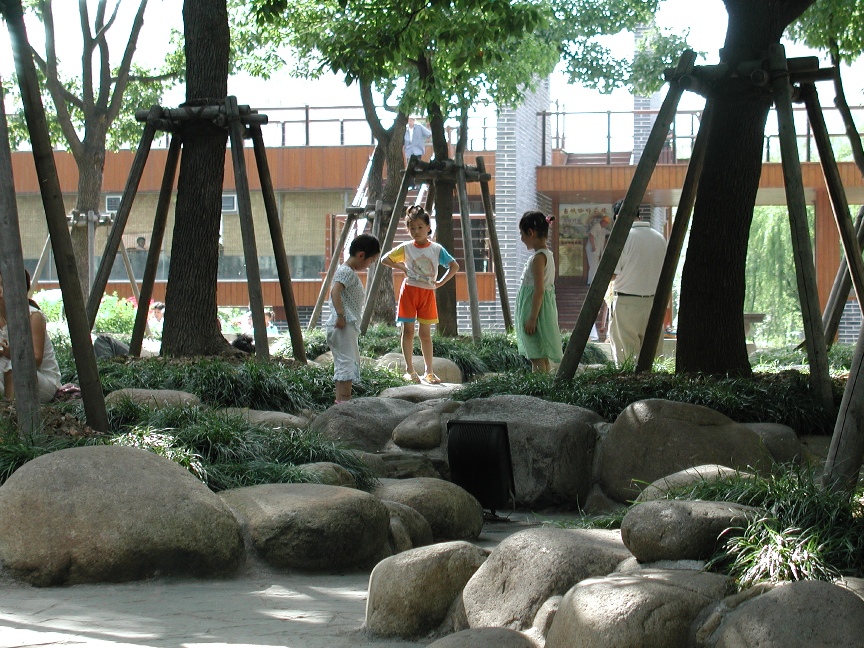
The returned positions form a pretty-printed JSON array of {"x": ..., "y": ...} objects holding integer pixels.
[
  {"x": 710, "y": 321},
  {"x": 445, "y": 56},
  {"x": 191, "y": 322},
  {"x": 87, "y": 104}
]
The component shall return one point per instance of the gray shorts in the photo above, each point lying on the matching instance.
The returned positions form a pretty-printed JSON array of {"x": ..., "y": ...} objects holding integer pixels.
[{"x": 345, "y": 347}]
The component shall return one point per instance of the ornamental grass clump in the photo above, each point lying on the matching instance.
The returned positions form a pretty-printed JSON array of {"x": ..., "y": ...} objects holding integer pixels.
[{"x": 805, "y": 533}]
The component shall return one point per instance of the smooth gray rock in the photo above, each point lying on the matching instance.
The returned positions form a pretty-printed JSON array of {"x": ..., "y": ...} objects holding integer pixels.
[
  {"x": 654, "y": 438},
  {"x": 424, "y": 392},
  {"x": 452, "y": 512},
  {"x": 551, "y": 447},
  {"x": 411, "y": 592},
  {"x": 531, "y": 566},
  {"x": 682, "y": 529},
  {"x": 402, "y": 464},
  {"x": 110, "y": 513},
  {"x": 363, "y": 423},
  {"x": 485, "y": 638},
  {"x": 327, "y": 472},
  {"x": 275, "y": 420},
  {"x": 313, "y": 527},
  {"x": 781, "y": 441},
  {"x": 152, "y": 397},
  {"x": 447, "y": 370},
  {"x": 424, "y": 430},
  {"x": 408, "y": 529},
  {"x": 688, "y": 478},
  {"x": 803, "y": 614},
  {"x": 648, "y": 608}
]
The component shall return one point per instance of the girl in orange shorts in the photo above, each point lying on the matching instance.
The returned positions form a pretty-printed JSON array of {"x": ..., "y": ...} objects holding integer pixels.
[{"x": 419, "y": 259}]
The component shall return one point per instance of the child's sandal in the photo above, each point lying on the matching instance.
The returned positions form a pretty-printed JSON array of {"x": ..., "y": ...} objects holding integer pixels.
[
  {"x": 432, "y": 379},
  {"x": 412, "y": 377}
]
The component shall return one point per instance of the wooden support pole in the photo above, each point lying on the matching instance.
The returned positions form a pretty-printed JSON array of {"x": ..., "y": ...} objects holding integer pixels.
[
  {"x": 20, "y": 338},
  {"x": 654, "y": 329},
  {"x": 846, "y": 451},
  {"x": 373, "y": 282},
  {"x": 115, "y": 238},
  {"x": 40, "y": 267},
  {"x": 468, "y": 247},
  {"x": 497, "y": 263},
  {"x": 156, "y": 237},
  {"x": 211, "y": 111},
  {"x": 55, "y": 215},
  {"x": 840, "y": 289},
  {"x": 839, "y": 203},
  {"x": 820, "y": 380},
  {"x": 335, "y": 258},
  {"x": 247, "y": 229},
  {"x": 621, "y": 227},
  {"x": 283, "y": 270}
]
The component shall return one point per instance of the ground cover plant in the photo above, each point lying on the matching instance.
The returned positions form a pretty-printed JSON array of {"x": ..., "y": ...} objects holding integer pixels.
[
  {"x": 781, "y": 397},
  {"x": 805, "y": 532}
]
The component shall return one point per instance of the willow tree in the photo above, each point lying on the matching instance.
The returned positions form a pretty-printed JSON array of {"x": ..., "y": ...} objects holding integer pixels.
[{"x": 711, "y": 318}]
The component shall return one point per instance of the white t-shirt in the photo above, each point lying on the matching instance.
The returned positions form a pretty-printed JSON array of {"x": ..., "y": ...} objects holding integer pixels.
[
  {"x": 353, "y": 296},
  {"x": 638, "y": 269}
]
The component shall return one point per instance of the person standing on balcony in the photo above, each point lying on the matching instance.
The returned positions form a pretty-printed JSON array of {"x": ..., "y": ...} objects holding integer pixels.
[
  {"x": 415, "y": 139},
  {"x": 635, "y": 282}
]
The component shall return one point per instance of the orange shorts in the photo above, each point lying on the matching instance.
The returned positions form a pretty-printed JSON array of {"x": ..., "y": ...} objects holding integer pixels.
[{"x": 417, "y": 304}]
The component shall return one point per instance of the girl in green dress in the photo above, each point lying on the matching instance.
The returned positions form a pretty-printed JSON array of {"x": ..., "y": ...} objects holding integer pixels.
[{"x": 537, "y": 332}]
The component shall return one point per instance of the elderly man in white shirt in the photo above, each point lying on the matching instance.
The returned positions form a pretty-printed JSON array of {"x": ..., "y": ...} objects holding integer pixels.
[{"x": 635, "y": 282}]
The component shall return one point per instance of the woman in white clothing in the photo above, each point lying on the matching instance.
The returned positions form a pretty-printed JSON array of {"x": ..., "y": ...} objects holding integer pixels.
[{"x": 47, "y": 370}]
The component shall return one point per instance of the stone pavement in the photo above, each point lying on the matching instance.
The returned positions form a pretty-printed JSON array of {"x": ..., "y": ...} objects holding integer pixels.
[{"x": 258, "y": 608}]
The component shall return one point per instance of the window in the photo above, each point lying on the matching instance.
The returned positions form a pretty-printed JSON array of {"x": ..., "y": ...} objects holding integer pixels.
[
  {"x": 229, "y": 202},
  {"x": 112, "y": 203}
]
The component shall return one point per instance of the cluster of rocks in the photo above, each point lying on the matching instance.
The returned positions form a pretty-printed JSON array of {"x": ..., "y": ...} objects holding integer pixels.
[{"x": 107, "y": 513}]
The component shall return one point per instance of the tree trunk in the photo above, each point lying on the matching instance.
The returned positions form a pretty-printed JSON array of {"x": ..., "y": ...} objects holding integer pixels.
[
  {"x": 91, "y": 166},
  {"x": 711, "y": 322},
  {"x": 191, "y": 323},
  {"x": 446, "y": 295}
]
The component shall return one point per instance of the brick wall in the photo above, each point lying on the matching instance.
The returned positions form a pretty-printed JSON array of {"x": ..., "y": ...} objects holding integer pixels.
[
  {"x": 516, "y": 162},
  {"x": 850, "y": 323}
]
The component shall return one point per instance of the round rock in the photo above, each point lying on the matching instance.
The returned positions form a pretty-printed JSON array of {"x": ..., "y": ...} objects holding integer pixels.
[
  {"x": 109, "y": 514},
  {"x": 312, "y": 527},
  {"x": 452, "y": 512}
]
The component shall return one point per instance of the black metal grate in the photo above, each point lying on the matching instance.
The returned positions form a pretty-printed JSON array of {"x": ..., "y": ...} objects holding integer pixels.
[{"x": 479, "y": 457}]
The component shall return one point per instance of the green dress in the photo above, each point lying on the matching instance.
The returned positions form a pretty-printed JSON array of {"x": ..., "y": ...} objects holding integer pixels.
[{"x": 546, "y": 340}]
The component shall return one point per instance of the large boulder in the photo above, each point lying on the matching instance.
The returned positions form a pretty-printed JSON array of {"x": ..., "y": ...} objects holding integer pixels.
[
  {"x": 802, "y": 614},
  {"x": 327, "y": 472},
  {"x": 531, "y": 566},
  {"x": 363, "y": 423},
  {"x": 485, "y": 638},
  {"x": 654, "y": 438},
  {"x": 312, "y": 527},
  {"x": 411, "y": 592},
  {"x": 421, "y": 393},
  {"x": 551, "y": 446},
  {"x": 647, "y": 608},
  {"x": 452, "y": 512},
  {"x": 681, "y": 529},
  {"x": 109, "y": 514}
]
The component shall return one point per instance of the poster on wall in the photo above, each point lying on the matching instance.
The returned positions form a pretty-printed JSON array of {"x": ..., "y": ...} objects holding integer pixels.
[{"x": 582, "y": 233}]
